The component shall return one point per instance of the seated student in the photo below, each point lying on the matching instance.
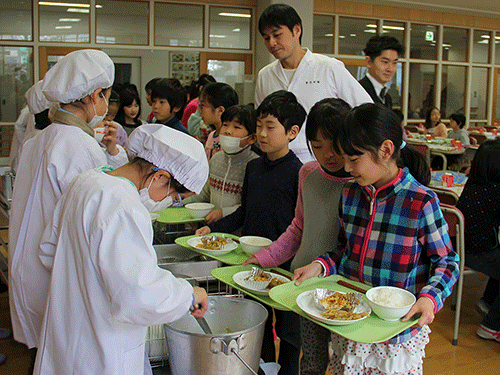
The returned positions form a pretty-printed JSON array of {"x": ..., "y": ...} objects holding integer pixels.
[
  {"x": 270, "y": 190},
  {"x": 214, "y": 99},
  {"x": 458, "y": 132},
  {"x": 480, "y": 204},
  {"x": 227, "y": 169},
  {"x": 169, "y": 99},
  {"x": 149, "y": 88},
  {"x": 129, "y": 113},
  {"x": 316, "y": 223}
]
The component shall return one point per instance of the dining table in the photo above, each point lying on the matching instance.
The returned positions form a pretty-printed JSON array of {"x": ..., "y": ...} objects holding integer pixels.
[
  {"x": 439, "y": 147},
  {"x": 459, "y": 180}
]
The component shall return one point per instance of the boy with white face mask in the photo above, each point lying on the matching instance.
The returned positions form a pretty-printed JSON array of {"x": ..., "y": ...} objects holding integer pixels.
[{"x": 227, "y": 169}]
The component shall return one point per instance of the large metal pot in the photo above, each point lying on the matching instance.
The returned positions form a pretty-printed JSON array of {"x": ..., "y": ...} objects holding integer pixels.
[{"x": 238, "y": 328}]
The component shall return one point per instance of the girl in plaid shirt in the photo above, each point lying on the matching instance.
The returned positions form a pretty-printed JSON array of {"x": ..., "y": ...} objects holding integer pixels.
[{"x": 392, "y": 233}]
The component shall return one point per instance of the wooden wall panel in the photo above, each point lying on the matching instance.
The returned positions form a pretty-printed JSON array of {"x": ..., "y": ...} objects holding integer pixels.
[
  {"x": 360, "y": 9},
  {"x": 391, "y": 13}
]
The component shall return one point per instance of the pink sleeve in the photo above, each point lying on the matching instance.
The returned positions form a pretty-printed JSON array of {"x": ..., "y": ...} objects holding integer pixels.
[
  {"x": 287, "y": 245},
  {"x": 188, "y": 111}
]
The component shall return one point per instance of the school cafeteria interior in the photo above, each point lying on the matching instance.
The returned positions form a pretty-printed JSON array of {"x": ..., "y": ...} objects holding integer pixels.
[{"x": 451, "y": 62}]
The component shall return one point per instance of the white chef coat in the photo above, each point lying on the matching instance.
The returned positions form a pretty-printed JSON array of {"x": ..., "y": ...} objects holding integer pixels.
[
  {"x": 317, "y": 77},
  {"x": 18, "y": 138},
  {"x": 106, "y": 286},
  {"x": 48, "y": 163}
]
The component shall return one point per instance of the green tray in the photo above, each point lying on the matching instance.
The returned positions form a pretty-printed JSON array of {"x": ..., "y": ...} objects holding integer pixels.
[
  {"x": 369, "y": 330},
  {"x": 235, "y": 257},
  {"x": 225, "y": 274},
  {"x": 177, "y": 215}
]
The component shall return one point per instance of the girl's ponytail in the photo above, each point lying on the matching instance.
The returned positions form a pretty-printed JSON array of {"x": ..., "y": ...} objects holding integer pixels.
[{"x": 416, "y": 164}]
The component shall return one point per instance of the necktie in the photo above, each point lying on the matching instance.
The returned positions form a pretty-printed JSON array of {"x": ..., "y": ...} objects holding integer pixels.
[{"x": 382, "y": 93}]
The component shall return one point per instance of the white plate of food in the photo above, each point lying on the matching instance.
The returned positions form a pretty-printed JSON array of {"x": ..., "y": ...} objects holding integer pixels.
[
  {"x": 213, "y": 244},
  {"x": 307, "y": 303},
  {"x": 243, "y": 279}
]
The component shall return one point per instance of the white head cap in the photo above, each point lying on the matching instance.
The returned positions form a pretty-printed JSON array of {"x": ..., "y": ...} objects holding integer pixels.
[
  {"x": 77, "y": 75},
  {"x": 37, "y": 102},
  {"x": 179, "y": 154}
]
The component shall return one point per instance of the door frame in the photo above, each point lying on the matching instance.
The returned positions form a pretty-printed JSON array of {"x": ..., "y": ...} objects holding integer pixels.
[
  {"x": 205, "y": 56},
  {"x": 45, "y": 52}
]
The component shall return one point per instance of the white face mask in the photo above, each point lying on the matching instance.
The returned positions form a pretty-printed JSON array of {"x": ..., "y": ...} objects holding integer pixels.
[
  {"x": 98, "y": 119},
  {"x": 152, "y": 205},
  {"x": 231, "y": 145}
]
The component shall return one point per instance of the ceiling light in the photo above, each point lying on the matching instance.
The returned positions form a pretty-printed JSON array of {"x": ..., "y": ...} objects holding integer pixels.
[
  {"x": 69, "y": 19},
  {"x": 76, "y": 5},
  {"x": 372, "y": 25},
  {"x": 446, "y": 45},
  {"x": 217, "y": 36},
  {"x": 77, "y": 10},
  {"x": 370, "y": 31},
  {"x": 485, "y": 36},
  {"x": 63, "y": 27},
  {"x": 236, "y": 30},
  {"x": 242, "y": 15},
  {"x": 353, "y": 34},
  {"x": 330, "y": 35},
  {"x": 341, "y": 36},
  {"x": 393, "y": 27}
]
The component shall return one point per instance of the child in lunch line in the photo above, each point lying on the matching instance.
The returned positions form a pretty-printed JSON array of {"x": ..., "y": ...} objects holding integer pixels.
[
  {"x": 169, "y": 98},
  {"x": 129, "y": 112},
  {"x": 392, "y": 233},
  {"x": 214, "y": 99},
  {"x": 113, "y": 107},
  {"x": 227, "y": 169},
  {"x": 480, "y": 204},
  {"x": 270, "y": 190},
  {"x": 315, "y": 226},
  {"x": 149, "y": 89}
]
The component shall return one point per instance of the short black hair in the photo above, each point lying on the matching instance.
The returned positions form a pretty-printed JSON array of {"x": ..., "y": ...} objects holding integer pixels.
[
  {"x": 114, "y": 97},
  {"x": 485, "y": 167},
  {"x": 459, "y": 118},
  {"x": 326, "y": 116},
  {"x": 127, "y": 97},
  {"x": 379, "y": 43},
  {"x": 284, "y": 106},
  {"x": 220, "y": 94},
  {"x": 151, "y": 83},
  {"x": 400, "y": 114},
  {"x": 278, "y": 15},
  {"x": 172, "y": 90},
  {"x": 243, "y": 114}
]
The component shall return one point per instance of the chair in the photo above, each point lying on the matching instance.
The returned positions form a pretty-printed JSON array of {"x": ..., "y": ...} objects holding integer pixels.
[
  {"x": 422, "y": 148},
  {"x": 411, "y": 128},
  {"x": 455, "y": 220},
  {"x": 480, "y": 138},
  {"x": 473, "y": 141},
  {"x": 446, "y": 196}
]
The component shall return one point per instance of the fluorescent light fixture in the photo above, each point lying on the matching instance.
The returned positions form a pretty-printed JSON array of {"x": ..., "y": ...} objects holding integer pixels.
[
  {"x": 353, "y": 34},
  {"x": 485, "y": 36},
  {"x": 330, "y": 35},
  {"x": 217, "y": 36},
  {"x": 241, "y": 15},
  {"x": 236, "y": 30},
  {"x": 373, "y": 26},
  {"x": 370, "y": 31},
  {"x": 75, "y": 5},
  {"x": 77, "y": 10},
  {"x": 341, "y": 36},
  {"x": 69, "y": 19},
  {"x": 63, "y": 27}
]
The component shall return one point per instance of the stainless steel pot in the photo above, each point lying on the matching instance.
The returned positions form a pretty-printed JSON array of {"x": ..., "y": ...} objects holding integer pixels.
[
  {"x": 7, "y": 185},
  {"x": 233, "y": 348}
]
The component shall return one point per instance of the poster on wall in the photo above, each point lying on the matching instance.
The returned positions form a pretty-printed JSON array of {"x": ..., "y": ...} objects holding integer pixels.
[{"x": 185, "y": 66}]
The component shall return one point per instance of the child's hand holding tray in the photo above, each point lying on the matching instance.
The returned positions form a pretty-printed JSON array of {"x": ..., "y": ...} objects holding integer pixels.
[{"x": 369, "y": 330}]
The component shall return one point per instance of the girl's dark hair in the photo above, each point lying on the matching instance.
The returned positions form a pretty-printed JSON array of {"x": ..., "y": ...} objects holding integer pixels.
[
  {"x": 204, "y": 79},
  {"x": 145, "y": 169},
  {"x": 428, "y": 117},
  {"x": 367, "y": 127},
  {"x": 151, "y": 83},
  {"x": 243, "y": 114},
  {"x": 326, "y": 116},
  {"x": 284, "y": 106},
  {"x": 277, "y": 15},
  {"x": 127, "y": 97},
  {"x": 459, "y": 118},
  {"x": 220, "y": 94},
  {"x": 114, "y": 97},
  {"x": 42, "y": 120},
  {"x": 485, "y": 167}
]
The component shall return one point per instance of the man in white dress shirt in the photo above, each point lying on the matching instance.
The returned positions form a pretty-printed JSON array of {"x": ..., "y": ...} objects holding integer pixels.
[{"x": 310, "y": 76}]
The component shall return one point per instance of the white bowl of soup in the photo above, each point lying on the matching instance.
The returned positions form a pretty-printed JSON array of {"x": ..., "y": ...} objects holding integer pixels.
[
  {"x": 252, "y": 244},
  {"x": 199, "y": 209}
]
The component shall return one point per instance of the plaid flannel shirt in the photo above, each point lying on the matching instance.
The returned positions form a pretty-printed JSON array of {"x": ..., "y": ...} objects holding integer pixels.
[{"x": 395, "y": 236}]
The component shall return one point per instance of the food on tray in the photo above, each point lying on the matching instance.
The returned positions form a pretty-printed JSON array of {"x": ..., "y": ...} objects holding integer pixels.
[
  {"x": 336, "y": 301},
  {"x": 212, "y": 243},
  {"x": 388, "y": 298},
  {"x": 260, "y": 277},
  {"x": 343, "y": 315},
  {"x": 275, "y": 282}
]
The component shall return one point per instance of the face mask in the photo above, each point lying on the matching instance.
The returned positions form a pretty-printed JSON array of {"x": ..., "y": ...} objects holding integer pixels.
[
  {"x": 150, "y": 204},
  {"x": 231, "y": 145},
  {"x": 98, "y": 119}
]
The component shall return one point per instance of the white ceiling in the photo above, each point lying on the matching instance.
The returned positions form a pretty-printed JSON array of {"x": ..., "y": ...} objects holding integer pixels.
[{"x": 488, "y": 8}]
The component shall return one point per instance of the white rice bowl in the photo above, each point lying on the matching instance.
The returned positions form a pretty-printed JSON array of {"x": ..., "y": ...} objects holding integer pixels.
[{"x": 389, "y": 302}]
